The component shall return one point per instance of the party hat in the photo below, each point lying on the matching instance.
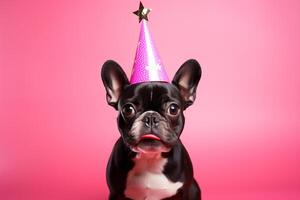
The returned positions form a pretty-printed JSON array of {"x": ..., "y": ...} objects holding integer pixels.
[{"x": 147, "y": 63}]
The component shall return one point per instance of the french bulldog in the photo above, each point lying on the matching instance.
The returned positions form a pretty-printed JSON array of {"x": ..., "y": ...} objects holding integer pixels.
[{"x": 149, "y": 162}]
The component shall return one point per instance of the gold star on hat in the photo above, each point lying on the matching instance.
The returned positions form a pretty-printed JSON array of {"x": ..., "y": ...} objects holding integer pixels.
[{"x": 142, "y": 12}]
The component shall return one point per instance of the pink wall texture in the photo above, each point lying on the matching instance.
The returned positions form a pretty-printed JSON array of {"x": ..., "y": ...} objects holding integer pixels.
[{"x": 56, "y": 130}]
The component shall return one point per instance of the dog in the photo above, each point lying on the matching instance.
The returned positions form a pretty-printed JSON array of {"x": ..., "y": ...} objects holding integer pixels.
[{"x": 149, "y": 162}]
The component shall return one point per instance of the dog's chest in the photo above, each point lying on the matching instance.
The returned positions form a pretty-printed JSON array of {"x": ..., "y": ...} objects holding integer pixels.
[{"x": 146, "y": 180}]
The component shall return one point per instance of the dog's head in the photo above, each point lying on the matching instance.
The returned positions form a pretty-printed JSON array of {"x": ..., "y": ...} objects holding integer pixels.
[{"x": 151, "y": 114}]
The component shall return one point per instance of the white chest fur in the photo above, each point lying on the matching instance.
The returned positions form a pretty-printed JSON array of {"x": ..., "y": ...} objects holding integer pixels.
[{"x": 146, "y": 180}]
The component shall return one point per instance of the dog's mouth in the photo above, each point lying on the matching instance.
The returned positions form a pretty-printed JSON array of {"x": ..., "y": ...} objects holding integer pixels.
[
  {"x": 150, "y": 137},
  {"x": 151, "y": 143}
]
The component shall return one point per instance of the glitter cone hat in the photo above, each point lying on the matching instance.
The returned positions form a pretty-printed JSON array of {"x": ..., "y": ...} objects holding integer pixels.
[{"x": 147, "y": 65}]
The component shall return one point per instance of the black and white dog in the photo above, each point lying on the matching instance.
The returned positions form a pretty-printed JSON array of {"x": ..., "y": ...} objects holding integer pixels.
[{"x": 149, "y": 162}]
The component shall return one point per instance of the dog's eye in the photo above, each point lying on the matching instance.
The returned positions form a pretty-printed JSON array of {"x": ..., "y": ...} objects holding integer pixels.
[
  {"x": 128, "y": 110},
  {"x": 173, "y": 109}
]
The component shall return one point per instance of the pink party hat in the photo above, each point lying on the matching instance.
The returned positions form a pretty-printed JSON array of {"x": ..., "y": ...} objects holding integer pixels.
[{"x": 147, "y": 64}]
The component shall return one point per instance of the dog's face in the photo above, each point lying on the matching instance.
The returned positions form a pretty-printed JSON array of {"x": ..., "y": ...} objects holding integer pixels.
[{"x": 151, "y": 114}]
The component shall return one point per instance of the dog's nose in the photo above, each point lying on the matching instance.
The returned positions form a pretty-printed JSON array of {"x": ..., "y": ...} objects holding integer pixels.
[{"x": 151, "y": 121}]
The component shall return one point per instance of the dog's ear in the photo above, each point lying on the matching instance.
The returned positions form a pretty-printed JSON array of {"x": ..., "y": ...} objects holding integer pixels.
[
  {"x": 186, "y": 80},
  {"x": 114, "y": 80}
]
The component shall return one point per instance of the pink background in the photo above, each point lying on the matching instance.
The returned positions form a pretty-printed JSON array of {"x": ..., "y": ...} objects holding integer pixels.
[{"x": 56, "y": 130}]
